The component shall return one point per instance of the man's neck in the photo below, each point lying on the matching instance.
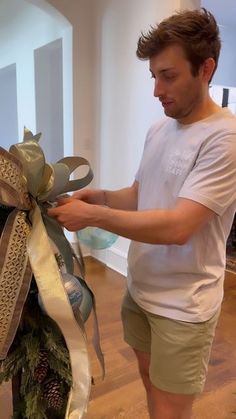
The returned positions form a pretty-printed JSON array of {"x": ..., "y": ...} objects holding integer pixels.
[{"x": 207, "y": 108}]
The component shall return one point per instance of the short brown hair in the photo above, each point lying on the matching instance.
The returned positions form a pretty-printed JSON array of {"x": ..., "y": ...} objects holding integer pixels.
[{"x": 195, "y": 30}]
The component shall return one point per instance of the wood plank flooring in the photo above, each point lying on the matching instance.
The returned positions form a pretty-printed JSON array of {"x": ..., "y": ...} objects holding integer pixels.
[{"x": 121, "y": 394}]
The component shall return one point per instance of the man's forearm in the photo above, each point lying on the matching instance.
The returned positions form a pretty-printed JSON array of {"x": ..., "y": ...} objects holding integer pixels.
[
  {"x": 156, "y": 226},
  {"x": 125, "y": 199},
  {"x": 150, "y": 226}
]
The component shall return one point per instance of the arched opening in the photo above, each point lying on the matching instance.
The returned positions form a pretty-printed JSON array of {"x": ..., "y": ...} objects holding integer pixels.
[{"x": 36, "y": 71}]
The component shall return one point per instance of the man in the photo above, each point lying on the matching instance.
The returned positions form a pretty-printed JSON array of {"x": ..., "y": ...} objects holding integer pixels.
[{"x": 178, "y": 214}]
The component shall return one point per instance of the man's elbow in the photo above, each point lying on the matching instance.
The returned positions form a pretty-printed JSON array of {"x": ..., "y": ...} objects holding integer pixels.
[{"x": 181, "y": 238}]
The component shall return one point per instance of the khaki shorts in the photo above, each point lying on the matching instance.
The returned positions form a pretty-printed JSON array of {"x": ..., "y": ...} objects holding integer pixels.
[{"x": 179, "y": 351}]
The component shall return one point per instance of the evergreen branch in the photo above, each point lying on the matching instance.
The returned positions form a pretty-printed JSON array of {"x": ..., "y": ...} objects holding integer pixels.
[
  {"x": 50, "y": 326},
  {"x": 31, "y": 343},
  {"x": 58, "y": 348},
  {"x": 34, "y": 406},
  {"x": 12, "y": 365},
  {"x": 26, "y": 381},
  {"x": 63, "y": 370}
]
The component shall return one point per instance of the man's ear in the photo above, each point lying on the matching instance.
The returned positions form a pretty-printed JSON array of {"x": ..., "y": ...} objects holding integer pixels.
[{"x": 208, "y": 68}]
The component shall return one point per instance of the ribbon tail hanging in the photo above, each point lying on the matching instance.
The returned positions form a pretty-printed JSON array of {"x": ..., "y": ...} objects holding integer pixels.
[
  {"x": 56, "y": 234},
  {"x": 56, "y": 303}
]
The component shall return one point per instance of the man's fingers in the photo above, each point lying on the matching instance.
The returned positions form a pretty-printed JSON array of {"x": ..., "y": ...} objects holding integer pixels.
[
  {"x": 62, "y": 200},
  {"x": 53, "y": 212}
]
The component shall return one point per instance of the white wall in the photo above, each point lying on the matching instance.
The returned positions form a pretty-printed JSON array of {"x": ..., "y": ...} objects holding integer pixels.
[
  {"x": 8, "y": 106},
  {"x": 80, "y": 13},
  {"x": 224, "y": 12},
  {"x": 49, "y": 98},
  {"x": 125, "y": 104},
  {"x": 23, "y": 28},
  {"x": 225, "y": 73},
  {"x": 190, "y": 4}
]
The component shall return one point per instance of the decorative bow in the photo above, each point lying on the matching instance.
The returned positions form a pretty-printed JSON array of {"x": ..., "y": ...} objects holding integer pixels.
[{"x": 27, "y": 183}]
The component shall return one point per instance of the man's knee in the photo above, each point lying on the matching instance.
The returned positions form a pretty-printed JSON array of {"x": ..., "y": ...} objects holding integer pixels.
[{"x": 171, "y": 406}]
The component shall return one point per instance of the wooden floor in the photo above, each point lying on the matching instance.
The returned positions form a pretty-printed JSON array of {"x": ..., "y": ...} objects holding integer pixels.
[{"x": 121, "y": 394}]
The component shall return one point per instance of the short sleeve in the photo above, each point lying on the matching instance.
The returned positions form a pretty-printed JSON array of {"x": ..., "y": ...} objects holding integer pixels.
[{"x": 212, "y": 181}]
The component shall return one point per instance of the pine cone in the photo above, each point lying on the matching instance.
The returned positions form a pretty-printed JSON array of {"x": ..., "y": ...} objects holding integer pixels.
[
  {"x": 41, "y": 370},
  {"x": 52, "y": 393}
]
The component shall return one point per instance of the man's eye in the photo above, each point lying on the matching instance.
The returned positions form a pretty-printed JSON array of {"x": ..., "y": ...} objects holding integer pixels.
[{"x": 170, "y": 76}]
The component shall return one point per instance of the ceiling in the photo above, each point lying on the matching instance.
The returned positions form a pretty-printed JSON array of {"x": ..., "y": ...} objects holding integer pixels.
[{"x": 223, "y": 10}]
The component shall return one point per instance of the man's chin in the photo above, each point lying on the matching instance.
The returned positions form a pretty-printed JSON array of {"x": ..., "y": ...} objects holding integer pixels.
[{"x": 170, "y": 114}]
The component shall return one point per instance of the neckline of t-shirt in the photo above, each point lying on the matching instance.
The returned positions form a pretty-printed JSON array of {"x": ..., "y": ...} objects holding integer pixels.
[{"x": 212, "y": 116}]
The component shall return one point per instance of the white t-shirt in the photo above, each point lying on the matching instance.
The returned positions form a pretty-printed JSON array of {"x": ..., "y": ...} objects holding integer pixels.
[{"x": 197, "y": 162}]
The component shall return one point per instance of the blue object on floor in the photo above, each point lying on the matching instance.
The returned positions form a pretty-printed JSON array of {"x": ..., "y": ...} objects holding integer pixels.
[{"x": 96, "y": 238}]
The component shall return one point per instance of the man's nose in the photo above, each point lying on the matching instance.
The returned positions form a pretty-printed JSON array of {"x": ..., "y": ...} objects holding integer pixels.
[{"x": 158, "y": 88}]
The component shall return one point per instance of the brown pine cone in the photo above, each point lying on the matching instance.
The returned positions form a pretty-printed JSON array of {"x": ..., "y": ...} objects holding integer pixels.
[
  {"x": 52, "y": 394},
  {"x": 41, "y": 370}
]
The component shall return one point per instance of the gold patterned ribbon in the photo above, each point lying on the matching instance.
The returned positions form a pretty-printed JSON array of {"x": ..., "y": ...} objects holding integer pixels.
[
  {"x": 27, "y": 181},
  {"x": 15, "y": 272},
  {"x": 14, "y": 265}
]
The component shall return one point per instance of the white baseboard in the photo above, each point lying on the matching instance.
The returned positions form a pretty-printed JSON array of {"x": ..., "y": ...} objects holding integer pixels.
[{"x": 112, "y": 257}]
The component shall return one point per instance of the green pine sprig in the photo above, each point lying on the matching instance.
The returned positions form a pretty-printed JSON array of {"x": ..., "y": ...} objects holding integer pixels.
[{"x": 36, "y": 332}]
